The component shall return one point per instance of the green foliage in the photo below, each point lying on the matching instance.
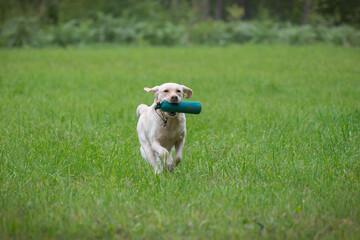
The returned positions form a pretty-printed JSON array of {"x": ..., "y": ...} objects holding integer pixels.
[
  {"x": 297, "y": 35},
  {"x": 104, "y": 28},
  {"x": 345, "y": 35},
  {"x": 187, "y": 11},
  {"x": 266, "y": 32},
  {"x": 210, "y": 32},
  {"x": 243, "y": 32},
  {"x": 164, "y": 34},
  {"x": 235, "y": 12},
  {"x": 73, "y": 32},
  {"x": 20, "y": 31},
  {"x": 273, "y": 155}
]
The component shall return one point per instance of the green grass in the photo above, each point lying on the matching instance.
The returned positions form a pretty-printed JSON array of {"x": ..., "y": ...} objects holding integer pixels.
[{"x": 274, "y": 153}]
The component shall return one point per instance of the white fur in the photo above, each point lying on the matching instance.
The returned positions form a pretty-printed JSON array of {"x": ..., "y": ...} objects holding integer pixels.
[{"x": 155, "y": 139}]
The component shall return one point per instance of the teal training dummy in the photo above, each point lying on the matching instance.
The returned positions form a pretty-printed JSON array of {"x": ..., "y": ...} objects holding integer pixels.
[{"x": 183, "y": 106}]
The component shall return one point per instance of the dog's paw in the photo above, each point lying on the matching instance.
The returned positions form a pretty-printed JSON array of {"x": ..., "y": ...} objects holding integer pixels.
[
  {"x": 170, "y": 166},
  {"x": 157, "y": 171}
]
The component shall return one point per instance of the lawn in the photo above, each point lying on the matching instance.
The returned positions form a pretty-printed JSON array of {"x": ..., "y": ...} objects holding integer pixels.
[{"x": 273, "y": 155}]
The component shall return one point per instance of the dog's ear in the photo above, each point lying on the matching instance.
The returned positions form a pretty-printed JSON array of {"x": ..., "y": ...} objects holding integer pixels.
[
  {"x": 154, "y": 89},
  {"x": 188, "y": 91}
]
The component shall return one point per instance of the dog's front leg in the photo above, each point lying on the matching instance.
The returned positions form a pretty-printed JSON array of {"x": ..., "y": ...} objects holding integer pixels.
[
  {"x": 179, "y": 146},
  {"x": 148, "y": 154},
  {"x": 164, "y": 155}
]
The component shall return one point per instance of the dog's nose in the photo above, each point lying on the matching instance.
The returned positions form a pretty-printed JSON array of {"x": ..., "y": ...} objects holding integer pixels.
[{"x": 174, "y": 98}]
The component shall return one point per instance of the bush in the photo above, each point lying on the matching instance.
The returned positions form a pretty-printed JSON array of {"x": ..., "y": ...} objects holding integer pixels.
[
  {"x": 164, "y": 34},
  {"x": 243, "y": 32},
  {"x": 210, "y": 32},
  {"x": 130, "y": 32},
  {"x": 22, "y": 31},
  {"x": 344, "y": 35},
  {"x": 73, "y": 32},
  {"x": 266, "y": 32},
  {"x": 105, "y": 28},
  {"x": 297, "y": 35}
]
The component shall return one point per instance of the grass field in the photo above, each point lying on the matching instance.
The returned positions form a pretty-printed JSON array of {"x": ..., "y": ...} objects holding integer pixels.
[{"x": 274, "y": 153}]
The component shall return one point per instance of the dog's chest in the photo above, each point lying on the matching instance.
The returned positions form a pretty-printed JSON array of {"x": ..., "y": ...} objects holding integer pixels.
[{"x": 169, "y": 136}]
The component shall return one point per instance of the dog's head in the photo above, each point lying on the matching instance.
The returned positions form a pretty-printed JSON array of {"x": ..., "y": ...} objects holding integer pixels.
[{"x": 170, "y": 92}]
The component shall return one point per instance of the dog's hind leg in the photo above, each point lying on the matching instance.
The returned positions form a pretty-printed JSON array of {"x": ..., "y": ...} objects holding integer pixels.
[{"x": 179, "y": 146}]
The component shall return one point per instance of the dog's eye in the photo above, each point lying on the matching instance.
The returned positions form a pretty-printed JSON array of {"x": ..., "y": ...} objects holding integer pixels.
[
  {"x": 166, "y": 90},
  {"x": 178, "y": 90}
]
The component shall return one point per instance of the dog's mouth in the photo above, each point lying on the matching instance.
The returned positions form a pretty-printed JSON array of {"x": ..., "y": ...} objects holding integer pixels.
[{"x": 171, "y": 114}]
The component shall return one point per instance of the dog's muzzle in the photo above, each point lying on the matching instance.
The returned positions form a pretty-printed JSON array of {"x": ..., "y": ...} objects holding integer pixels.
[{"x": 171, "y": 114}]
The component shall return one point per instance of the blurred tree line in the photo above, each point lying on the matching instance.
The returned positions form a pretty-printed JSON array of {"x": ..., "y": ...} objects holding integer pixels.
[
  {"x": 41, "y": 23},
  {"x": 333, "y": 12}
]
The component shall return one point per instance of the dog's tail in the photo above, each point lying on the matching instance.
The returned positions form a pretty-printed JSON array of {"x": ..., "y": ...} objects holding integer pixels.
[{"x": 140, "y": 109}]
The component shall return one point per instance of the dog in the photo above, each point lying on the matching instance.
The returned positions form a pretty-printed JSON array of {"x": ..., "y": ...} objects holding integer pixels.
[{"x": 159, "y": 132}]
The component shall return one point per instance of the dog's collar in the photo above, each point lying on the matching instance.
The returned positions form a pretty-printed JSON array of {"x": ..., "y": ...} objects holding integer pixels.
[
  {"x": 164, "y": 119},
  {"x": 157, "y": 106}
]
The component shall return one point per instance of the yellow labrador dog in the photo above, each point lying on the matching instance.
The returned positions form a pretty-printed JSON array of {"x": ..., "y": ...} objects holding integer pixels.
[{"x": 160, "y": 131}]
